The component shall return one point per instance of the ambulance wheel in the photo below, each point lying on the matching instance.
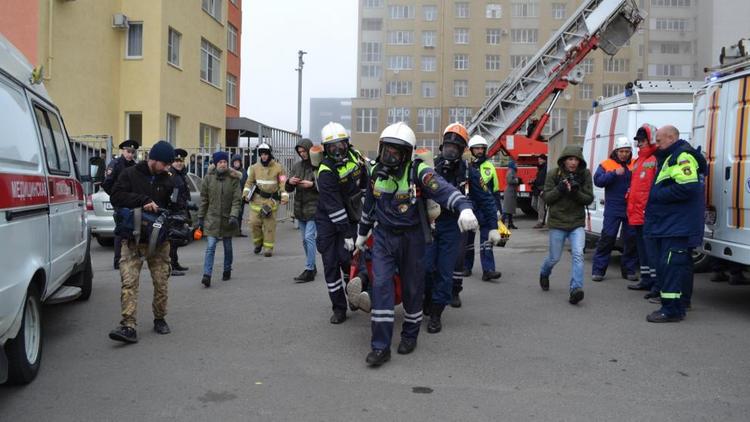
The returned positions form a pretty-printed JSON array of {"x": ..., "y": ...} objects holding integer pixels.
[
  {"x": 87, "y": 279},
  {"x": 701, "y": 262},
  {"x": 25, "y": 351}
]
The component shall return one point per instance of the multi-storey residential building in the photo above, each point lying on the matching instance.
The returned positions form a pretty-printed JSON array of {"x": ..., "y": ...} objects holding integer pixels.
[
  {"x": 432, "y": 62},
  {"x": 143, "y": 70},
  {"x": 324, "y": 110}
]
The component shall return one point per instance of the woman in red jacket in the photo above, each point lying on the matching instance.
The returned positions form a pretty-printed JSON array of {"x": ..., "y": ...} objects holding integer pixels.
[{"x": 644, "y": 171}]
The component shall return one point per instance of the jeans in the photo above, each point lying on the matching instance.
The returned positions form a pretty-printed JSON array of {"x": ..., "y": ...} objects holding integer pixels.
[
  {"x": 208, "y": 262},
  {"x": 309, "y": 233},
  {"x": 556, "y": 242}
]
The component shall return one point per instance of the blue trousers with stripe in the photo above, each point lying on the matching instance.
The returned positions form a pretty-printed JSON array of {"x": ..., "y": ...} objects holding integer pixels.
[
  {"x": 675, "y": 272},
  {"x": 440, "y": 261},
  {"x": 610, "y": 227},
  {"x": 403, "y": 252},
  {"x": 648, "y": 256},
  {"x": 336, "y": 261},
  {"x": 486, "y": 257}
]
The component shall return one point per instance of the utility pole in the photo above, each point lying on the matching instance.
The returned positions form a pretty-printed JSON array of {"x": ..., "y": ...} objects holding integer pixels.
[{"x": 300, "y": 65}]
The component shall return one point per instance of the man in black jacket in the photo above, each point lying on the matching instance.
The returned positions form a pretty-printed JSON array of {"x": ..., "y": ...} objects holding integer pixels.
[
  {"x": 537, "y": 189},
  {"x": 183, "y": 197},
  {"x": 146, "y": 185}
]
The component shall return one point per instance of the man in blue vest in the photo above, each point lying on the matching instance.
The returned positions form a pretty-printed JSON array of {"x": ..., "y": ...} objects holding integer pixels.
[
  {"x": 341, "y": 178},
  {"x": 395, "y": 201},
  {"x": 674, "y": 220}
]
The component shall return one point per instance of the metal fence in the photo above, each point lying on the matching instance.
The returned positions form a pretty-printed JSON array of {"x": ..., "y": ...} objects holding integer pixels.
[{"x": 92, "y": 153}]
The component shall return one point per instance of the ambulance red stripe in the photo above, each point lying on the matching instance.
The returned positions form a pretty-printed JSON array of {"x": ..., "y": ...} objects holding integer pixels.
[{"x": 20, "y": 190}]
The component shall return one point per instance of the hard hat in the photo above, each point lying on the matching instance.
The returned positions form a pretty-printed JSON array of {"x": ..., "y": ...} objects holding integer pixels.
[
  {"x": 399, "y": 134},
  {"x": 333, "y": 132},
  {"x": 478, "y": 141},
  {"x": 456, "y": 133},
  {"x": 263, "y": 147},
  {"x": 622, "y": 142}
]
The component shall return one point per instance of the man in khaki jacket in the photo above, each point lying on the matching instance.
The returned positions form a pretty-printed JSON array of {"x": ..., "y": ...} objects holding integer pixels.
[{"x": 264, "y": 191}]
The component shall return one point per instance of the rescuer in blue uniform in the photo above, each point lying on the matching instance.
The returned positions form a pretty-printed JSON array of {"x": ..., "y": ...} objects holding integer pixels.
[
  {"x": 342, "y": 177},
  {"x": 444, "y": 258},
  {"x": 394, "y": 205},
  {"x": 478, "y": 148},
  {"x": 674, "y": 220},
  {"x": 114, "y": 168}
]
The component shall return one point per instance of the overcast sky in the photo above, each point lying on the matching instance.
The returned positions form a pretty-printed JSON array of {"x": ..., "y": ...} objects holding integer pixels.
[{"x": 272, "y": 33}]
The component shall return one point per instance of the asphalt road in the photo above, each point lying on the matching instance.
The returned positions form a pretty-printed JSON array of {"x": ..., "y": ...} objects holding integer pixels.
[{"x": 260, "y": 348}]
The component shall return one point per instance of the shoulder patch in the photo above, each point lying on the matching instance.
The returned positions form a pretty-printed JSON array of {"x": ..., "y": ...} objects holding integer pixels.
[
  {"x": 687, "y": 171},
  {"x": 430, "y": 182},
  {"x": 683, "y": 162},
  {"x": 488, "y": 172}
]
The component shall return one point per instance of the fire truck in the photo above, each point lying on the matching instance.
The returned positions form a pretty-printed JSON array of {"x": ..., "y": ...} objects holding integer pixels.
[{"x": 596, "y": 24}]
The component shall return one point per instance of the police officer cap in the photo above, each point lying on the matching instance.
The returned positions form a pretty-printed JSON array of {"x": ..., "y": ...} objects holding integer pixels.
[
  {"x": 180, "y": 154},
  {"x": 641, "y": 134},
  {"x": 129, "y": 144}
]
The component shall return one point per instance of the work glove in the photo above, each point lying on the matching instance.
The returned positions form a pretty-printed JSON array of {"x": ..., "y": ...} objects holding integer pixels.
[
  {"x": 562, "y": 187},
  {"x": 361, "y": 242},
  {"x": 349, "y": 244},
  {"x": 234, "y": 221},
  {"x": 200, "y": 223},
  {"x": 495, "y": 237},
  {"x": 574, "y": 185},
  {"x": 467, "y": 221}
]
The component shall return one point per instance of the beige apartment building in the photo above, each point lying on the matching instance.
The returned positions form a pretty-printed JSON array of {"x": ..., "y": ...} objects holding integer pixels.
[
  {"x": 131, "y": 69},
  {"x": 432, "y": 62}
]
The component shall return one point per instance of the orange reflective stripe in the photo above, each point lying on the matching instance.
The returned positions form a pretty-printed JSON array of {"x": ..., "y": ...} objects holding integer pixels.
[
  {"x": 713, "y": 112},
  {"x": 610, "y": 165},
  {"x": 738, "y": 196}
]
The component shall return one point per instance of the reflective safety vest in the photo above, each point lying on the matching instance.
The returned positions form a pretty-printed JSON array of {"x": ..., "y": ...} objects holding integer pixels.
[
  {"x": 489, "y": 176},
  {"x": 352, "y": 169}
]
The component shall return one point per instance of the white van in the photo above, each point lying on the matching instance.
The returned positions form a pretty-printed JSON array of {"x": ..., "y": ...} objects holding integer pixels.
[
  {"x": 722, "y": 123},
  {"x": 655, "y": 102},
  {"x": 44, "y": 255}
]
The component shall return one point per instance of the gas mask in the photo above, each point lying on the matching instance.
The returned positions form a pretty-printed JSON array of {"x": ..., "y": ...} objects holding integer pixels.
[
  {"x": 391, "y": 158},
  {"x": 337, "y": 151}
]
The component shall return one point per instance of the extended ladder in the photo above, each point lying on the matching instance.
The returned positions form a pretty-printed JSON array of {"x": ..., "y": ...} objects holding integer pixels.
[{"x": 605, "y": 24}]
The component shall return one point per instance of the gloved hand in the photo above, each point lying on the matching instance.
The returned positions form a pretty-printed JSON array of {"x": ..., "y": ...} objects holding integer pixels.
[
  {"x": 467, "y": 221},
  {"x": 574, "y": 185},
  {"x": 495, "y": 237},
  {"x": 562, "y": 187},
  {"x": 234, "y": 221},
  {"x": 200, "y": 223},
  {"x": 361, "y": 242},
  {"x": 349, "y": 244}
]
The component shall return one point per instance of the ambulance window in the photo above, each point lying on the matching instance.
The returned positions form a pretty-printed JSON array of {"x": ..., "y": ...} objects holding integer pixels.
[
  {"x": 60, "y": 141},
  {"x": 57, "y": 159},
  {"x": 18, "y": 144}
]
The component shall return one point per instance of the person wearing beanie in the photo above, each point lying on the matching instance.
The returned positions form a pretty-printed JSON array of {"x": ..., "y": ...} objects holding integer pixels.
[
  {"x": 219, "y": 213},
  {"x": 147, "y": 185},
  {"x": 238, "y": 164}
]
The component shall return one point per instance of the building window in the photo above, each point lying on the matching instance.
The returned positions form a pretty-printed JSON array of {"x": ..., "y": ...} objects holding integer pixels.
[
  {"x": 134, "y": 126},
  {"x": 172, "y": 129},
  {"x": 398, "y": 88},
  {"x": 580, "y": 120},
  {"x": 587, "y": 66},
  {"x": 428, "y": 38},
  {"x": 430, "y": 144},
  {"x": 400, "y": 63},
  {"x": 210, "y": 63},
  {"x": 461, "y": 61},
  {"x": 494, "y": 11},
  {"x": 367, "y": 120},
  {"x": 461, "y": 36},
  {"x": 462, "y": 10},
  {"x": 373, "y": 4},
  {"x": 400, "y": 37},
  {"x": 670, "y": 3},
  {"x": 670, "y": 25},
  {"x": 492, "y": 62},
  {"x": 213, "y": 8},
  {"x": 493, "y": 36},
  {"x": 209, "y": 137},
  {"x": 231, "y": 90},
  {"x": 585, "y": 91},
  {"x": 372, "y": 71},
  {"x": 429, "y": 89},
  {"x": 429, "y": 13},
  {"x": 524, "y": 36},
  {"x": 371, "y": 52},
  {"x": 518, "y": 60},
  {"x": 173, "y": 47},
  {"x": 401, "y": 12},
  {"x": 557, "y": 119},
  {"x": 558, "y": 11},
  {"x": 459, "y": 114},
  {"x": 231, "y": 38},
  {"x": 372, "y": 24},
  {"x": 612, "y": 89},
  {"x": 134, "y": 47},
  {"x": 616, "y": 65},
  {"x": 490, "y": 87},
  {"x": 428, "y": 120},
  {"x": 369, "y": 93},
  {"x": 525, "y": 9},
  {"x": 398, "y": 114},
  {"x": 429, "y": 64},
  {"x": 461, "y": 88}
]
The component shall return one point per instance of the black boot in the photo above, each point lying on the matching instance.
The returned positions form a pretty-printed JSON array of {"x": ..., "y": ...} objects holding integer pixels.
[
  {"x": 544, "y": 282},
  {"x": 161, "y": 327},
  {"x": 178, "y": 267},
  {"x": 491, "y": 275},
  {"x": 257, "y": 249},
  {"x": 435, "y": 325},
  {"x": 455, "y": 298},
  {"x": 378, "y": 357},
  {"x": 302, "y": 276},
  {"x": 206, "y": 280},
  {"x": 124, "y": 334},
  {"x": 338, "y": 317},
  {"x": 226, "y": 275},
  {"x": 406, "y": 346}
]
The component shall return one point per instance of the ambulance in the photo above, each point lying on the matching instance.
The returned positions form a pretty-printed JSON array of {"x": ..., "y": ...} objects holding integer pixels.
[
  {"x": 44, "y": 246},
  {"x": 722, "y": 122}
]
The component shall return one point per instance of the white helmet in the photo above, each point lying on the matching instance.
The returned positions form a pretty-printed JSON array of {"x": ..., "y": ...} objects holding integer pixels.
[
  {"x": 399, "y": 134},
  {"x": 478, "y": 141},
  {"x": 333, "y": 132},
  {"x": 622, "y": 142}
]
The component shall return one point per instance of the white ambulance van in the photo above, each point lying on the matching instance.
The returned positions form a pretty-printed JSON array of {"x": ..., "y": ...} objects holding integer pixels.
[
  {"x": 722, "y": 123},
  {"x": 44, "y": 251},
  {"x": 655, "y": 102}
]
